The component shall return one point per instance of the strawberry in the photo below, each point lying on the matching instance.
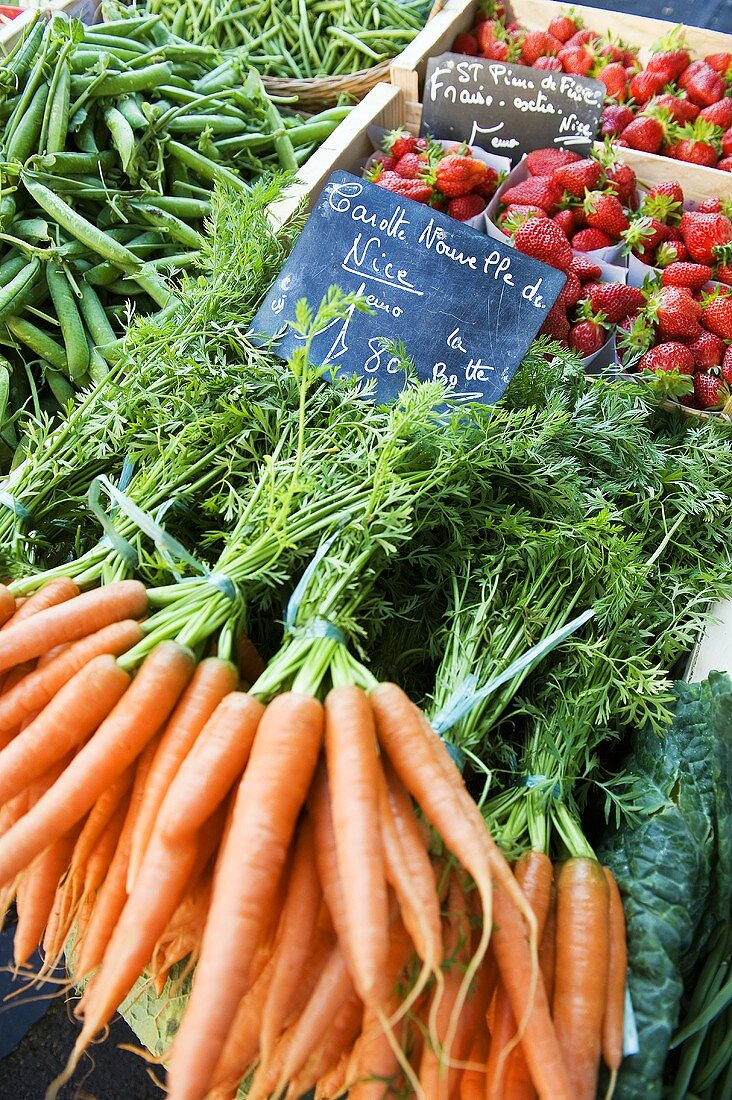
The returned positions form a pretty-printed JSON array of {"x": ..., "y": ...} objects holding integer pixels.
[
  {"x": 563, "y": 27},
  {"x": 587, "y": 337},
  {"x": 555, "y": 323},
  {"x": 605, "y": 212},
  {"x": 490, "y": 30},
  {"x": 645, "y": 85},
  {"x": 676, "y": 311},
  {"x": 725, "y": 164},
  {"x": 583, "y": 175},
  {"x": 536, "y": 190},
  {"x": 707, "y": 350},
  {"x": 705, "y": 86},
  {"x": 690, "y": 72},
  {"x": 465, "y": 207},
  {"x": 645, "y": 134},
  {"x": 710, "y": 206},
  {"x": 644, "y": 236},
  {"x": 417, "y": 190},
  {"x": 727, "y": 142},
  {"x": 720, "y": 62},
  {"x": 671, "y": 252},
  {"x": 679, "y": 107},
  {"x": 669, "y": 63},
  {"x": 544, "y": 162},
  {"x": 516, "y": 214},
  {"x": 717, "y": 313},
  {"x": 576, "y": 60},
  {"x": 622, "y": 181},
  {"x": 497, "y": 51},
  {"x": 466, "y": 43},
  {"x": 719, "y": 113},
  {"x": 582, "y": 37},
  {"x": 549, "y": 64},
  {"x": 710, "y": 391},
  {"x": 411, "y": 165},
  {"x": 698, "y": 143},
  {"x": 571, "y": 291},
  {"x": 458, "y": 174},
  {"x": 668, "y": 356},
  {"x": 400, "y": 142},
  {"x": 614, "y": 77},
  {"x": 693, "y": 276},
  {"x": 545, "y": 241},
  {"x": 584, "y": 269},
  {"x": 614, "y": 119},
  {"x": 590, "y": 240},
  {"x": 723, "y": 271},
  {"x": 702, "y": 232},
  {"x": 538, "y": 44},
  {"x": 727, "y": 365},
  {"x": 566, "y": 221},
  {"x": 615, "y": 300}
]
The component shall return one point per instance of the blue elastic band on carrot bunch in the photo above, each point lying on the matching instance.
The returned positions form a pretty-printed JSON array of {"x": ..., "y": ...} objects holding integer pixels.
[
  {"x": 531, "y": 782},
  {"x": 317, "y": 627},
  {"x": 13, "y": 504}
]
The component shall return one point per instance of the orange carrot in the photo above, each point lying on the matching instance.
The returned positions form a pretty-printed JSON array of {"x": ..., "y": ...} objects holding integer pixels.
[
  {"x": 71, "y": 716},
  {"x": 612, "y": 1024},
  {"x": 120, "y": 738},
  {"x": 182, "y": 938},
  {"x": 250, "y": 663},
  {"x": 112, "y": 896},
  {"x": 212, "y": 680},
  {"x": 354, "y": 782},
  {"x": 50, "y": 594},
  {"x": 7, "y": 604},
  {"x": 36, "y": 895},
  {"x": 319, "y": 809},
  {"x": 339, "y": 1038},
  {"x": 38, "y": 688},
  {"x": 75, "y": 618},
  {"x": 580, "y": 983},
  {"x": 12, "y": 679},
  {"x": 101, "y": 813},
  {"x": 547, "y": 949},
  {"x": 472, "y": 1085},
  {"x": 269, "y": 799},
  {"x": 333, "y": 1083},
  {"x": 294, "y": 938}
]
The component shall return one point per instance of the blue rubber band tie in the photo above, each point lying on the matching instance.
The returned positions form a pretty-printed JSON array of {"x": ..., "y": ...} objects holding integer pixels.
[
  {"x": 530, "y": 782},
  {"x": 13, "y": 504},
  {"x": 319, "y": 627}
]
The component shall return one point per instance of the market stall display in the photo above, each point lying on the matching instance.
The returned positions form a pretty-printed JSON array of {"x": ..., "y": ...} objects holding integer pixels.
[{"x": 423, "y": 647}]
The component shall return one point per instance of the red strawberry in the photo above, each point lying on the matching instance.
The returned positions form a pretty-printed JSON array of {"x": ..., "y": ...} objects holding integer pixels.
[
  {"x": 536, "y": 190},
  {"x": 717, "y": 313},
  {"x": 720, "y": 62},
  {"x": 671, "y": 252},
  {"x": 544, "y": 162},
  {"x": 458, "y": 174},
  {"x": 703, "y": 232},
  {"x": 411, "y": 165},
  {"x": 605, "y": 212},
  {"x": 719, "y": 113},
  {"x": 584, "y": 269},
  {"x": 466, "y": 43},
  {"x": 622, "y": 182},
  {"x": 549, "y": 64},
  {"x": 516, "y": 213},
  {"x": 587, "y": 337},
  {"x": 571, "y": 291},
  {"x": 545, "y": 241},
  {"x": 616, "y": 300},
  {"x": 667, "y": 357},
  {"x": 497, "y": 51},
  {"x": 590, "y": 240},
  {"x": 465, "y": 207},
  {"x": 489, "y": 184},
  {"x": 723, "y": 271},
  {"x": 707, "y": 350},
  {"x": 555, "y": 323},
  {"x": 693, "y": 276},
  {"x": 698, "y": 143},
  {"x": 538, "y": 44},
  {"x": 709, "y": 206},
  {"x": 382, "y": 163},
  {"x": 679, "y": 107},
  {"x": 725, "y": 164},
  {"x": 677, "y": 312},
  {"x": 691, "y": 70},
  {"x": 614, "y": 119},
  {"x": 670, "y": 63},
  {"x": 418, "y": 190},
  {"x": 400, "y": 142},
  {"x": 562, "y": 27},
  {"x": 727, "y": 365},
  {"x": 565, "y": 219},
  {"x": 727, "y": 142},
  {"x": 582, "y": 37},
  {"x": 645, "y": 85},
  {"x": 710, "y": 391},
  {"x": 645, "y": 134},
  {"x": 576, "y": 59},
  {"x": 490, "y": 30},
  {"x": 583, "y": 175},
  {"x": 705, "y": 86},
  {"x": 614, "y": 77}
]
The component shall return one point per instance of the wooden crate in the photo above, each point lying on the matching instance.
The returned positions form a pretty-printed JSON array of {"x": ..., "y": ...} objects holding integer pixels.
[
  {"x": 408, "y": 69},
  {"x": 713, "y": 651},
  {"x": 697, "y": 181},
  {"x": 86, "y": 10}
]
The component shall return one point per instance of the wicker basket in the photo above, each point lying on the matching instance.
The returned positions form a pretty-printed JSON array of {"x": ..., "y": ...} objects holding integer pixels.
[{"x": 320, "y": 93}]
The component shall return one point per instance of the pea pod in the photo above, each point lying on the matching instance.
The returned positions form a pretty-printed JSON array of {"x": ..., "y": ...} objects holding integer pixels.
[
  {"x": 59, "y": 385},
  {"x": 38, "y": 341},
  {"x": 204, "y": 167},
  {"x": 17, "y": 291},
  {"x": 58, "y": 120},
  {"x": 94, "y": 316},
  {"x": 72, "y": 326},
  {"x": 170, "y": 224},
  {"x": 141, "y": 80},
  {"x": 25, "y": 135}
]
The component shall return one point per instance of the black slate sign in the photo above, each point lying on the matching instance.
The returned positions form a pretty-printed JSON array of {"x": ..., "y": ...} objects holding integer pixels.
[
  {"x": 465, "y": 307},
  {"x": 509, "y": 109}
]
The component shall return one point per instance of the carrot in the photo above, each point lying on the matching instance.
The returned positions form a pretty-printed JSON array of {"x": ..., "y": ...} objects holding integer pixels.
[
  {"x": 581, "y": 971},
  {"x": 212, "y": 680},
  {"x": 339, "y": 1038},
  {"x": 7, "y": 603},
  {"x": 269, "y": 799},
  {"x": 101, "y": 813},
  {"x": 36, "y": 894},
  {"x": 319, "y": 809},
  {"x": 354, "y": 782},
  {"x": 12, "y": 679},
  {"x": 294, "y": 938},
  {"x": 547, "y": 950},
  {"x": 38, "y": 688},
  {"x": 250, "y": 663},
  {"x": 73, "y": 619},
  {"x": 51, "y": 594},
  {"x": 112, "y": 895},
  {"x": 612, "y": 1023},
  {"x": 71, "y": 716},
  {"x": 472, "y": 1085},
  {"x": 119, "y": 739},
  {"x": 182, "y": 938},
  {"x": 333, "y": 1083}
]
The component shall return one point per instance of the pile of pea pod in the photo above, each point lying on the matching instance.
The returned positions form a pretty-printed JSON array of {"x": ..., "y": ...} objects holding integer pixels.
[
  {"x": 300, "y": 39},
  {"x": 112, "y": 138}
]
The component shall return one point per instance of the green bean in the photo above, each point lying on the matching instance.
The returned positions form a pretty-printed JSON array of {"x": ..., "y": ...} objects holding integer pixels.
[
  {"x": 72, "y": 326},
  {"x": 15, "y": 293},
  {"x": 38, "y": 341}
]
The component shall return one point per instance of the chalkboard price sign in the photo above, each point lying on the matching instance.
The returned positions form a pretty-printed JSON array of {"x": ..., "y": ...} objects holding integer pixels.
[
  {"x": 509, "y": 109},
  {"x": 464, "y": 306}
]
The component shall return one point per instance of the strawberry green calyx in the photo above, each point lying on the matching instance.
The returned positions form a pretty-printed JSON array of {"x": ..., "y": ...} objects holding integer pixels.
[
  {"x": 638, "y": 234},
  {"x": 635, "y": 340},
  {"x": 662, "y": 207},
  {"x": 666, "y": 254},
  {"x": 672, "y": 40}
]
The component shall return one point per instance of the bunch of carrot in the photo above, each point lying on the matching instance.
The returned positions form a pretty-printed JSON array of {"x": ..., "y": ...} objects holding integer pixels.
[{"x": 332, "y": 947}]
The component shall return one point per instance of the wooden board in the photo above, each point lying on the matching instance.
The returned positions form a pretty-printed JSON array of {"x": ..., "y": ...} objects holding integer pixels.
[{"x": 697, "y": 181}]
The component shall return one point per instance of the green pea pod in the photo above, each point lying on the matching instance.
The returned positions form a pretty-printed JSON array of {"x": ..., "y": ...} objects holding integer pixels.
[
  {"x": 205, "y": 168},
  {"x": 10, "y": 267},
  {"x": 18, "y": 290},
  {"x": 5, "y": 373},
  {"x": 58, "y": 122},
  {"x": 7, "y": 210},
  {"x": 141, "y": 80},
  {"x": 130, "y": 107},
  {"x": 95, "y": 319},
  {"x": 72, "y": 326},
  {"x": 73, "y": 164},
  {"x": 60, "y": 386},
  {"x": 123, "y": 138},
  {"x": 38, "y": 341},
  {"x": 169, "y": 224},
  {"x": 25, "y": 136}
]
